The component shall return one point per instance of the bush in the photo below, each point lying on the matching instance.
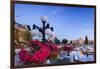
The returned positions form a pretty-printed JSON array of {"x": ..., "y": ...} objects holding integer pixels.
[{"x": 64, "y": 41}]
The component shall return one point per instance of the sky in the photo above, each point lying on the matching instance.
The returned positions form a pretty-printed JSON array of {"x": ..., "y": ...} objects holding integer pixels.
[{"x": 68, "y": 22}]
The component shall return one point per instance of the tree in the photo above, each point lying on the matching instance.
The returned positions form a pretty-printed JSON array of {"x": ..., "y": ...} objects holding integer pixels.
[
  {"x": 71, "y": 42},
  {"x": 28, "y": 36},
  {"x": 57, "y": 41},
  {"x": 86, "y": 40},
  {"x": 64, "y": 41}
]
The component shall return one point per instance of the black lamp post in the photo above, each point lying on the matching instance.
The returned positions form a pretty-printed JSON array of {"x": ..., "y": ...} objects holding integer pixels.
[{"x": 44, "y": 27}]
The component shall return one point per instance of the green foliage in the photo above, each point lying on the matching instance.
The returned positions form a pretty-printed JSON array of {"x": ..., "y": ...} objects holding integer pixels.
[
  {"x": 86, "y": 40},
  {"x": 57, "y": 41},
  {"x": 28, "y": 36},
  {"x": 70, "y": 41},
  {"x": 60, "y": 49},
  {"x": 64, "y": 41}
]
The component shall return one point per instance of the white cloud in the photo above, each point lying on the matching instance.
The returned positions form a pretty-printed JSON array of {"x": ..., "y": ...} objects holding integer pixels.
[{"x": 56, "y": 11}]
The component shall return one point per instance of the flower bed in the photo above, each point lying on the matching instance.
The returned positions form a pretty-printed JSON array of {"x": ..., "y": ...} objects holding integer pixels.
[{"x": 39, "y": 53}]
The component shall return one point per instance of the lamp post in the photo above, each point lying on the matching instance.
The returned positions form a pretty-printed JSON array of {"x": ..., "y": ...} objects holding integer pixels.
[
  {"x": 43, "y": 19},
  {"x": 44, "y": 27}
]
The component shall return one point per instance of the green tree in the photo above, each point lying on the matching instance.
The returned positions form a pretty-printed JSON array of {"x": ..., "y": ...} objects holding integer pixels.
[
  {"x": 57, "y": 41},
  {"x": 28, "y": 36},
  {"x": 71, "y": 41},
  {"x": 86, "y": 40},
  {"x": 64, "y": 41}
]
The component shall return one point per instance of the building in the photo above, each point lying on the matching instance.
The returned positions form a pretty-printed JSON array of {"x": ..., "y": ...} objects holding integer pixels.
[
  {"x": 20, "y": 34},
  {"x": 80, "y": 41}
]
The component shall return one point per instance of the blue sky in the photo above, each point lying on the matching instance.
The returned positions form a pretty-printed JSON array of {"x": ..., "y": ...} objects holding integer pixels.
[{"x": 68, "y": 22}]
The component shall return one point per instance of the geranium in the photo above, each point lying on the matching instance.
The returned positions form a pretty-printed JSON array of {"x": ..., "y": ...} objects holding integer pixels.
[
  {"x": 54, "y": 47},
  {"x": 54, "y": 51},
  {"x": 45, "y": 51},
  {"x": 35, "y": 43},
  {"x": 68, "y": 48},
  {"x": 38, "y": 57},
  {"x": 47, "y": 44},
  {"x": 39, "y": 52},
  {"x": 24, "y": 56}
]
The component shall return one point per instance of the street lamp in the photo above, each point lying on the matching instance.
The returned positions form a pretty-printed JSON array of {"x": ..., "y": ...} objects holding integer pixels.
[
  {"x": 44, "y": 19},
  {"x": 43, "y": 28}
]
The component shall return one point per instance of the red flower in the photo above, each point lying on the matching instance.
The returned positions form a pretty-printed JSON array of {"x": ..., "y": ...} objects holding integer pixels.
[
  {"x": 35, "y": 58},
  {"x": 38, "y": 57},
  {"x": 54, "y": 48},
  {"x": 24, "y": 55},
  {"x": 45, "y": 51},
  {"x": 39, "y": 52},
  {"x": 35, "y": 42},
  {"x": 68, "y": 48}
]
